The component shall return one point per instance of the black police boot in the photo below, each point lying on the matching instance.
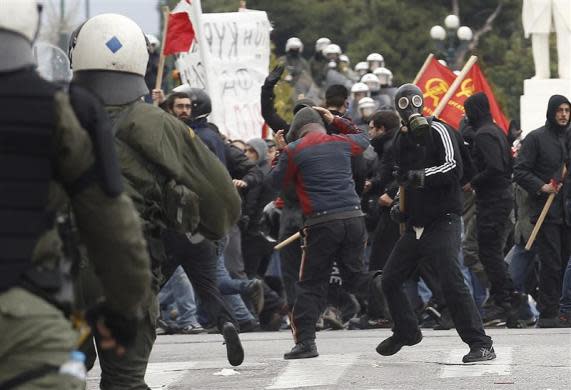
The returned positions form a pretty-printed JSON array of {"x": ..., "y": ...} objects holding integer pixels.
[
  {"x": 234, "y": 350},
  {"x": 303, "y": 350},
  {"x": 394, "y": 344},
  {"x": 479, "y": 354}
]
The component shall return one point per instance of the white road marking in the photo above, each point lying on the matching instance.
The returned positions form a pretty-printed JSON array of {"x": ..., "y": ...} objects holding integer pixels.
[
  {"x": 161, "y": 375},
  {"x": 501, "y": 365},
  {"x": 321, "y": 371}
]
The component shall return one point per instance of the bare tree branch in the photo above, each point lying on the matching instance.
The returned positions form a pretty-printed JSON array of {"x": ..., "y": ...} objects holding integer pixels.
[{"x": 487, "y": 27}]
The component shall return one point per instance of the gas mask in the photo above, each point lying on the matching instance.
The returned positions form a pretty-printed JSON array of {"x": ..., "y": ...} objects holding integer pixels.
[{"x": 409, "y": 102}]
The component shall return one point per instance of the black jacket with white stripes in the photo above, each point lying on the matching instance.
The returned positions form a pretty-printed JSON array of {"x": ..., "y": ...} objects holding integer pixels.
[{"x": 439, "y": 157}]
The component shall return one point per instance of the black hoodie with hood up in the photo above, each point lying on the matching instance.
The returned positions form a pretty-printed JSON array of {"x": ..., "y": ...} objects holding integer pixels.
[
  {"x": 491, "y": 152},
  {"x": 541, "y": 158}
]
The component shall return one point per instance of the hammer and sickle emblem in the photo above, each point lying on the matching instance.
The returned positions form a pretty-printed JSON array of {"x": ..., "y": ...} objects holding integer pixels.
[
  {"x": 435, "y": 89},
  {"x": 466, "y": 88}
]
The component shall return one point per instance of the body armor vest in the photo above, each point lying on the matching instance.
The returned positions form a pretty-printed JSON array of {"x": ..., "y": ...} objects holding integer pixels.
[{"x": 27, "y": 120}]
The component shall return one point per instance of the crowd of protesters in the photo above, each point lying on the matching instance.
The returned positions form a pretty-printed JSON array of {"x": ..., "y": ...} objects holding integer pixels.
[{"x": 506, "y": 183}]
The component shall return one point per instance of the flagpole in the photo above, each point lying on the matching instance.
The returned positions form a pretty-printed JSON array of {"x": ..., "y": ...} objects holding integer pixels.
[
  {"x": 452, "y": 90},
  {"x": 202, "y": 44},
  {"x": 423, "y": 68},
  {"x": 159, "y": 81}
]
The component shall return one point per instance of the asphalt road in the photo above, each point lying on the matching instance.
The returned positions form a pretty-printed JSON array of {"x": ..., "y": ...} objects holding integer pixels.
[{"x": 527, "y": 359}]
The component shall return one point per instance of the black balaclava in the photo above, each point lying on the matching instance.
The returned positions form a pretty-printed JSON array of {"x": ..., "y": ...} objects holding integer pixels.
[
  {"x": 478, "y": 110},
  {"x": 554, "y": 102}
]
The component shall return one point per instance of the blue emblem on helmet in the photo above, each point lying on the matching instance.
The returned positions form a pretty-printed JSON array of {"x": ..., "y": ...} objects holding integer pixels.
[{"x": 114, "y": 44}]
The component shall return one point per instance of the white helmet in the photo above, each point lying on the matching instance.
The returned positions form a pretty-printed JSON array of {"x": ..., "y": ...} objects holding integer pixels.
[
  {"x": 153, "y": 40},
  {"x": 367, "y": 102},
  {"x": 372, "y": 82},
  {"x": 321, "y": 43},
  {"x": 109, "y": 42},
  {"x": 294, "y": 43},
  {"x": 361, "y": 66},
  {"x": 332, "y": 49},
  {"x": 359, "y": 87},
  {"x": 114, "y": 50},
  {"x": 375, "y": 57},
  {"x": 385, "y": 76},
  {"x": 344, "y": 58},
  {"x": 20, "y": 16},
  {"x": 375, "y": 60}
]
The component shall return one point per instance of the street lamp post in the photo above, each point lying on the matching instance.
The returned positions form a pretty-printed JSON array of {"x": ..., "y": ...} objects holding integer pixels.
[{"x": 450, "y": 39}]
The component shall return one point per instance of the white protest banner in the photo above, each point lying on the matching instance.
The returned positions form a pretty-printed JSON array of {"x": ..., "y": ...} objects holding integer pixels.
[{"x": 238, "y": 58}]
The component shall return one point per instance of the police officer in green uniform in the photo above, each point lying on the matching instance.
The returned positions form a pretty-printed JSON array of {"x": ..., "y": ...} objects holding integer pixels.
[
  {"x": 176, "y": 183},
  {"x": 48, "y": 164}
]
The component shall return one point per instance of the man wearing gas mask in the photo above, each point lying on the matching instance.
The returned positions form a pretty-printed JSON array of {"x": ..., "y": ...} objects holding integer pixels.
[{"x": 429, "y": 168}]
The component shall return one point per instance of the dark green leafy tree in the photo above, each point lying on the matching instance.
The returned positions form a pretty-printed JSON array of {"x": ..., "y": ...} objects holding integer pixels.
[{"x": 399, "y": 29}]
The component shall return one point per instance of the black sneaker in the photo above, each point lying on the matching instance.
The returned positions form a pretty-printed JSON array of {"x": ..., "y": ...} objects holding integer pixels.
[
  {"x": 494, "y": 316},
  {"x": 393, "y": 344},
  {"x": 560, "y": 321},
  {"x": 234, "y": 349},
  {"x": 479, "y": 354},
  {"x": 565, "y": 320},
  {"x": 441, "y": 317},
  {"x": 302, "y": 350}
]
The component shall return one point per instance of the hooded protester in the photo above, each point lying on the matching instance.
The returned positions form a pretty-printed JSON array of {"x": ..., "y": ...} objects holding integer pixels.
[
  {"x": 492, "y": 158},
  {"x": 538, "y": 169},
  {"x": 319, "y": 166}
]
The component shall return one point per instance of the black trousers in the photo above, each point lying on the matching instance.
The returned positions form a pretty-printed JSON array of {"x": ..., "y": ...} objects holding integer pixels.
[
  {"x": 256, "y": 252},
  {"x": 199, "y": 262},
  {"x": 341, "y": 240},
  {"x": 440, "y": 245},
  {"x": 492, "y": 225},
  {"x": 291, "y": 221},
  {"x": 553, "y": 248},
  {"x": 385, "y": 236}
]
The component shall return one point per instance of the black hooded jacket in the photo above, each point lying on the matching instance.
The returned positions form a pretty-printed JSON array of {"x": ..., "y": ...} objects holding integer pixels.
[
  {"x": 491, "y": 152},
  {"x": 541, "y": 158}
]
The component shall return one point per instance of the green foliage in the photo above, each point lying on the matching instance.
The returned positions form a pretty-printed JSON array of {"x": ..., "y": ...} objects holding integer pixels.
[
  {"x": 399, "y": 29},
  {"x": 283, "y": 91}
]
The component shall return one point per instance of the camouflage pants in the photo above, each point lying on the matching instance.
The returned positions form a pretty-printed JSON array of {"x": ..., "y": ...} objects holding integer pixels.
[{"x": 34, "y": 334}]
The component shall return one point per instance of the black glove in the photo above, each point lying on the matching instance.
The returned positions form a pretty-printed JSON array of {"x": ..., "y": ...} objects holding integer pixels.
[
  {"x": 275, "y": 75},
  {"x": 414, "y": 178},
  {"x": 243, "y": 223},
  {"x": 396, "y": 215},
  {"x": 123, "y": 329}
]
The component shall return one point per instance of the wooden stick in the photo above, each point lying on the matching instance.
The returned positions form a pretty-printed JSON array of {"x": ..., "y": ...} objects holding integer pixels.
[
  {"x": 423, "y": 68},
  {"x": 159, "y": 81},
  {"x": 288, "y": 241},
  {"x": 543, "y": 215},
  {"x": 452, "y": 90},
  {"x": 402, "y": 226}
]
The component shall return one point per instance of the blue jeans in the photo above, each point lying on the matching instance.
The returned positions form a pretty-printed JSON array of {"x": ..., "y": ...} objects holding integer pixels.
[
  {"x": 521, "y": 263},
  {"x": 178, "y": 292},
  {"x": 565, "y": 304},
  {"x": 231, "y": 288}
]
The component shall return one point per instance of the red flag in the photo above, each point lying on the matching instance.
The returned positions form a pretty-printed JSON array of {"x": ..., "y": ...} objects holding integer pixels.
[
  {"x": 180, "y": 32},
  {"x": 436, "y": 80},
  {"x": 434, "y": 83}
]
